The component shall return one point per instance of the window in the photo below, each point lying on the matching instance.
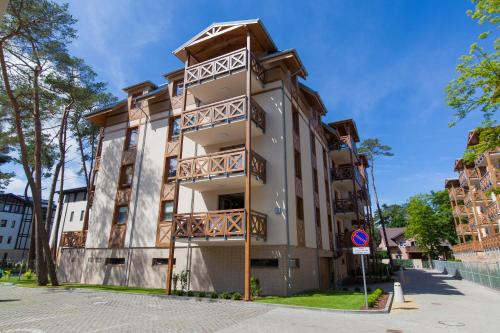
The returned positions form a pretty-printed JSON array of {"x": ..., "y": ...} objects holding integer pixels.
[
  {"x": 81, "y": 215},
  {"x": 178, "y": 88},
  {"x": 126, "y": 175},
  {"x": 327, "y": 191},
  {"x": 171, "y": 167},
  {"x": 132, "y": 134},
  {"x": 295, "y": 120},
  {"x": 114, "y": 261},
  {"x": 71, "y": 216},
  {"x": 121, "y": 214},
  {"x": 7, "y": 207},
  {"x": 167, "y": 211},
  {"x": 94, "y": 179},
  {"x": 3, "y": 223},
  {"x": 294, "y": 263},
  {"x": 174, "y": 128},
  {"x": 313, "y": 144},
  {"x": 9, "y": 239},
  {"x": 264, "y": 263},
  {"x": 298, "y": 165},
  {"x": 300, "y": 208},
  {"x": 13, "y": 224},
  {"x": 160, "y": 261},
  {"x": 315, "y": 180},
  {"x": 1, "y": 239}
]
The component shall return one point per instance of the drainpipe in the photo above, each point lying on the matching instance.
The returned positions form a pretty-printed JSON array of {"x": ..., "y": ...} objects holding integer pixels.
[
  {"x": 285, "y": 167},
  {"x": 190, "y": 249},
  {"x": 130, "y": 249}
]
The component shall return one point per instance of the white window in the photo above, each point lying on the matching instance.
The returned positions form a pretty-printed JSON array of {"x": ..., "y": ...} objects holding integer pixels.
[
  {"x": 3, "y": 223},
  {"x": 13, "y": 224},
  {"x": 71, "y": 216}
]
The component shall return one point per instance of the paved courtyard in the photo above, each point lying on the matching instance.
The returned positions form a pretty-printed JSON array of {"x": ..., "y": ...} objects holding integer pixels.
[{"x": 438, "y": 304}]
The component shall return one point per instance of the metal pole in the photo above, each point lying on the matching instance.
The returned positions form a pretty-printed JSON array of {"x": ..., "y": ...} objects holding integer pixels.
[{"x": 364, "y": 279}]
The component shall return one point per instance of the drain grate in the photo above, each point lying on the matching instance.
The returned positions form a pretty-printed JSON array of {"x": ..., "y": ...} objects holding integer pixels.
[
  {"x": 393, "y": 331},
  {"x": 436, "y": 303},
  {"x": 451, "y": 323}
]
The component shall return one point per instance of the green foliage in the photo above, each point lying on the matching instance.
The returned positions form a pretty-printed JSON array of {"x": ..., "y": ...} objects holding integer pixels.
[
  {"x": 477, "y": 86},
  {"x": 214, "y": 295},
  {"x": 183, "y": 278},
  {"x": 430, "y": 221},
  {"x": 255, "y": 288},
  {"x": 374, "y": 296},
  {"x": 29, "y": 275},
  {"x": 202, "y": 294},
  {"x": 395, "y": 216},
  {"x": 190, "y": 293},
  {"x": 236, "y": 296},
  {"x": 175, "y": 280},
  {"x": 225, "y": 295},
  {"x": 382, "y": 254},
  {"x": 489, "y": 139},
  {"x": 491, "y": 191},
  {"x": 372, "y": 148}
]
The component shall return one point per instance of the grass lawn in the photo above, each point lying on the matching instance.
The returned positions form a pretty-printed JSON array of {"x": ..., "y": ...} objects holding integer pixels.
[
  {"x": 32, "y": 284},
  {"x": 344, "y": 300}
]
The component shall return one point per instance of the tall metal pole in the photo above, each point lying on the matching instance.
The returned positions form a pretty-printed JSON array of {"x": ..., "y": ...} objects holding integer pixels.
[{"x": 364, "y": 279}]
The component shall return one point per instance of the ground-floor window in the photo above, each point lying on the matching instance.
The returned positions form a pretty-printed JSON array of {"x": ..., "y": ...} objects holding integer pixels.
[{"x": 264, "y": 263}]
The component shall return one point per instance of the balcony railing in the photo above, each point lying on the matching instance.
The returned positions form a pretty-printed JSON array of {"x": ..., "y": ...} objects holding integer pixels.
[
  {"x": 492, "y": 211},
  {"x": 345, "y": 142},
  {"x": 471, "y": 197},
  {"x": 456, "y": 192},
  {"x": 74, "y": 239},
  {"x": 223, "y": 65},
  {"x": 463, "y": 229},
  {"x": 473, "y": 246},
  {"x": 344, "y": 206},
  {"x": 459, "y": 210},
  {"x": 221, "y": 163},
  {"x": 117, "y": 237},
  {"x": 223, "y": 112},
  {"x": 222, "y": 223},
  {"x": 487, "y": 181},
  {"x": 491, "y": 242}
]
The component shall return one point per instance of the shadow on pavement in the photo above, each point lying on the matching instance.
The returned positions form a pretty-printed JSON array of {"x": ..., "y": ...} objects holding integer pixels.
[{"x": 426, "y": 282}]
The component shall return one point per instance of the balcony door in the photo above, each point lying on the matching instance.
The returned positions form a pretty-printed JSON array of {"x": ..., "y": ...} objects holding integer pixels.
[{"x": 232, "y": 201}]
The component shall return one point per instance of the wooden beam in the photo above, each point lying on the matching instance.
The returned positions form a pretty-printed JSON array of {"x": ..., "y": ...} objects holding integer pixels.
[{"x": 248, "y": 147}]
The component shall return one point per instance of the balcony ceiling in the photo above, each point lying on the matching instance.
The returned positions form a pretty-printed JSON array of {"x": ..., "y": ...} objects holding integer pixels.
[
  {"x": 224, "y": 132},
  {"x": 220, "y": 38},
  {"x": 222, "y": 182}
]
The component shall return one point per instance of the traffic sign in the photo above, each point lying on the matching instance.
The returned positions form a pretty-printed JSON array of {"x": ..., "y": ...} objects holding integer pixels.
[
  {"x": 360, "y": 250},
  {"x": 359, "y": 238}
]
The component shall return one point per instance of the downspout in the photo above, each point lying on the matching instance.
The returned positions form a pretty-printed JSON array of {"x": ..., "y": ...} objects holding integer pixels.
[
  {"x": 130, "y": 249},
  {"x": 190, "y": 249},
  {"x": 285, "y": 167}
]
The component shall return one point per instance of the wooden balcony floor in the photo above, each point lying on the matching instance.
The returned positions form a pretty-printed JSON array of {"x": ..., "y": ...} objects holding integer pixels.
[
  {"x": 222, "y": 132},
  {"x": 234, "y": 181}
]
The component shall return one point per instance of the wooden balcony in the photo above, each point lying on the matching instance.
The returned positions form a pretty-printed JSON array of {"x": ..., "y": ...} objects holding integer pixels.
[
  {"x": 344, "y": 206},
  {"x": 491, "y": 242},
  {"x": 456, "y": 193},
  {"x": 343, "y": 174},
  {"x": 463, "y": 229},
  {"x": 223, "y": 121},
  {"x": 489, "y": 180},
  {"x": 473, "y": 246},
  {"x": 221, "y": 225},
  {"x": 472, "y": 197},
  {"x": 467, "y": 174},
  {"x": 223, "y": 76},
  {"x": 341, "y": 150},
  {"x": 480, "y": 161},
  {"x": 74, "y": 239},
  {"x": 225, "y": 168},
  {"x": 459, "y": 211},
  {"x": 493, "y": 211}
]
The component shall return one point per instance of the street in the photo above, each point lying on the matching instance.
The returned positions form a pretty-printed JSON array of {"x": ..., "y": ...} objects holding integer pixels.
[{"x": 438, "y": 304}]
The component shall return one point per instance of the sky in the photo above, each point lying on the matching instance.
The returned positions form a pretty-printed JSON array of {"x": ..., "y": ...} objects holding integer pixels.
[{"x": 383, "y": 63}]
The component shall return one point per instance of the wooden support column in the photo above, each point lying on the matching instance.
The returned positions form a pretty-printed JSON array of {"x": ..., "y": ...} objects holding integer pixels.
[
  {"x": 248, "y": 179},
  {"x": 171, "y": 248}
]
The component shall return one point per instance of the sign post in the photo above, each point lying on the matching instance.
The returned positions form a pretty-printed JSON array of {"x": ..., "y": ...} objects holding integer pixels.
[{"x": 360, "y": 240}]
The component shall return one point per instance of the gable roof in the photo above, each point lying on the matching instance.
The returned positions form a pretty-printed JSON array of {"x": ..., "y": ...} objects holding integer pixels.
[{"x": 392, "y": 234}]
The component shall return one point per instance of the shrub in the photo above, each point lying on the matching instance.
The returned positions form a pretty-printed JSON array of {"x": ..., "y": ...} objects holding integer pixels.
[
  {"x": 175, "y": 280},
  {"x": 214, "y": 295},
  {"x": 183, "y": 277},
  {"x": 369, "y": 289},
  {"x": 225, "y": 295},
  {"x": 202, "y": 294},
  {"x": 190, "y": 293},
  {"x": 345, "y": 289},
  {"x": 1, "y": 273},
  {"x": 7, "y": 273},
  {"x": 357, "y": 289},
  {"x": 179, "y": 292},
  {"x": 29, "y": 275},
  {"x": 236, "y": 296},
  {"x": 374, "y": 296},
  {"x": 255, "y": 288}
]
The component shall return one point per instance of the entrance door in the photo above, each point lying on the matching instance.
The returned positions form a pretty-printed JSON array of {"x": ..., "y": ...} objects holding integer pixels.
[
  {"x": 232, "y": 201},
  {"x": 324, "y": 273}
]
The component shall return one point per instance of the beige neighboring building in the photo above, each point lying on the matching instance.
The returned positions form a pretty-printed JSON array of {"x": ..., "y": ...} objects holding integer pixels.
[
  {"x": 474, "y": 198},
  {"x": 225, "y": 171},
  {"x": 398, "y": 246}
]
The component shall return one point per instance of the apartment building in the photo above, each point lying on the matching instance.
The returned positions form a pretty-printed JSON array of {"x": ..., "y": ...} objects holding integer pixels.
[
  {"x": 15, "y": 226},
  {"x": 474, "y": 197},
  {"x": 225, "y": 171},
  {"x": 72, "y": 213}
]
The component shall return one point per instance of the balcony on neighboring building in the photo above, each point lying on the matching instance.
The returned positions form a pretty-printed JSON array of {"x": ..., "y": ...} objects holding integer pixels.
[
  {"x": 219, "y": 225},
  {"x": 493, "y": 211},
  {"x": 456, "y": 193},
  {"x": 489, "y": 180},
  {"x": 463, "y": 229},
  {"x": 481, "y": 160},
  {"x": 459, "y": 211},
  {"x": 491, "y": 243},
  {"x": 471, "y": 198},
  {"x": 342, "y": 177},
  {"x": 223, "y": 77},
  {"x": 225, "y": 169},
  {"x": 73, "y": 239},
  {"x": 473, "y": 246},
  {"x": 341, "y": 150},
  {"x": 222, "y": 121}
]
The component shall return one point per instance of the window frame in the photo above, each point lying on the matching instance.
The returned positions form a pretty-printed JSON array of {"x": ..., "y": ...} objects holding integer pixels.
[
  {"x": 171, "y": 136},
  {"x": 123, "y": 170},
  {"x": 128, "y": 138},
  {"x": 117, "y": 214},
  {"x": 71, "y": 215},
  {"x": 163, "y": 204}
]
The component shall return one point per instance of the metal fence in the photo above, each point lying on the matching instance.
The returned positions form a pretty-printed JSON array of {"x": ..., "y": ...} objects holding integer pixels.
[{"x": 486, "y": 274}]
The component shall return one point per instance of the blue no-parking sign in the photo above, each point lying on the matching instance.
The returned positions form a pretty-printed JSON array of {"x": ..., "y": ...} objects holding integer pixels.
[{"x": 359, "y": 238}]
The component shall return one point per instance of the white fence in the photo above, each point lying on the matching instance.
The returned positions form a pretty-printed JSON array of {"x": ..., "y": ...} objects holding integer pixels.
[{"x": 486, "y": 274}]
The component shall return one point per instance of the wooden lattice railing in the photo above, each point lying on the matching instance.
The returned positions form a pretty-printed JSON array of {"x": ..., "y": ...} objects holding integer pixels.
[
  {"x": 343, "y": 172},
  {"x": 221, "y": 163},
  {"x": 491, "y": 242},
  {"x": 488, "y": 180},
  {"x": 473, "y": 246},
  {"x": 456, "y": 192},
  {"x": 471, "y": 197},
  {"x": 75, "y": 239},
  {"x": 344, "y": 205},
  {"x": 222, "y": 223},
  {"x": 459, "y": 210},
  {"x": 223, "y": 112},
  {"x": 220, "y": 66},
  {"x": 117, "y": 236},
  {"x": 465, "y": 174},
  {"x": 463, "y": 229},
  {"x": 492, "y": 211}
]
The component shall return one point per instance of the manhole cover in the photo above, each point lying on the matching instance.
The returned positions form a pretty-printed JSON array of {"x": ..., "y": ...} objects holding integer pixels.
[
  {"x": 436, "y": 303},
  {"x": 451, "y": 323},
  {"x": 393, "y": 331}
]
